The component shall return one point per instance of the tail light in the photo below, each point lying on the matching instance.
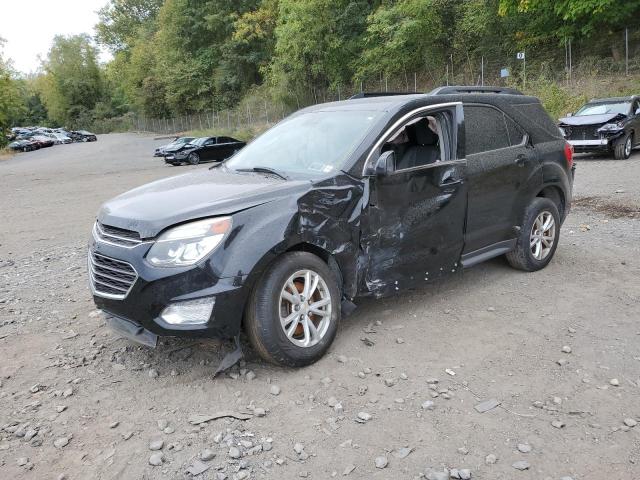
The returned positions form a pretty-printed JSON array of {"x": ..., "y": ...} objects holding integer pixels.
[{"x": 568, "y": 154}]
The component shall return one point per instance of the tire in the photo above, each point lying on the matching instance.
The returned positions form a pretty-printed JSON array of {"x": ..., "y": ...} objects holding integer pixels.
[
  {"x": 267, "y": 306},
  {"x": 194, "y": 158},
  {"x": 622, "y": 149},
  {"x": 526, "y": 256}
]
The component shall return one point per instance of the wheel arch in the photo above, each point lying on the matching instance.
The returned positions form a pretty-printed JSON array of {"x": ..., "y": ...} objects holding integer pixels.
[{"x": 557, "y": 196}]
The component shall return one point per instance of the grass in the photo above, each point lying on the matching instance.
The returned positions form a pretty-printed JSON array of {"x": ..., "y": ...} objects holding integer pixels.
[
  {"x": 559, "y": 99},
  {"x": 6, "y": 153},
  {"x": 244, "y": 133}
]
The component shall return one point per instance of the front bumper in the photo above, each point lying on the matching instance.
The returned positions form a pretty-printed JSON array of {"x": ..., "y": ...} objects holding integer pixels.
[{"x": 156, "y": 288}]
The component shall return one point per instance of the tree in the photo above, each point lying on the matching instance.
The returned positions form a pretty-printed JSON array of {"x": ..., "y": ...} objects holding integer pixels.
[
  {"x": 11, "y": 102},
  {"x": 121, "y": 21},
  {"x": 561, "y": 19},
  {"x": 317, "y": 44},
  {"x": 401, "y": 36},
  {"x": 72, "y": 83}
]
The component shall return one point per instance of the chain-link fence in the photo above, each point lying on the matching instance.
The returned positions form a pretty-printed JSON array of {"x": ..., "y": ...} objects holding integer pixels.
[{"x": 568, "y": 63}]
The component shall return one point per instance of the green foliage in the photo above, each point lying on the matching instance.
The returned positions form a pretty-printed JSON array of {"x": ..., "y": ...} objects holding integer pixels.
[
  {"x": 179, "y": 57},
  {"x": 11, "y": 105},
  {"x": 73, "y": 82},
  {"x": 123, "y": 21}
]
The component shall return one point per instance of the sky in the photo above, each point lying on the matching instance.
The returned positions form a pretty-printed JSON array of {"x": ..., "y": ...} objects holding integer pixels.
[{"x": 28, "y": 27}]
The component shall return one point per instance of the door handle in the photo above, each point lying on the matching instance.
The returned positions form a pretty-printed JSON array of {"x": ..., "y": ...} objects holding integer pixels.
[
  {"x": 521, "y": 160},
  {"x": 449, "y": 182}
]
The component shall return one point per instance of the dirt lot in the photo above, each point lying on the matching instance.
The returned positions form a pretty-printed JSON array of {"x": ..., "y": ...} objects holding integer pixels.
[{"x": 77, "y": 402}]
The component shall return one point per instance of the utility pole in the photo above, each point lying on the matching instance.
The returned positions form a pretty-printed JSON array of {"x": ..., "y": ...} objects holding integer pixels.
[
  {"x": 524, "y": 71},
  {"x": 453, "y": 77},
  {"x": 482, "y": 71},
  {"x": 626, "y": 50}
]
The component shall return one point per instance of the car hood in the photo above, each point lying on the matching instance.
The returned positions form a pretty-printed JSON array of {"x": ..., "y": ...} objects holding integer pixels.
[
  {"x": 590, "y": 119},
  {"x": 151, "y": 208}
]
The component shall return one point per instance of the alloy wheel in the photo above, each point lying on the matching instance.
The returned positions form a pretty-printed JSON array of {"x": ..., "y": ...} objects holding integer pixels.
[
  {"x": 627, "y": 147},
  {"x": 543, "y": 235},
  {"x": 305, "y": 308}
]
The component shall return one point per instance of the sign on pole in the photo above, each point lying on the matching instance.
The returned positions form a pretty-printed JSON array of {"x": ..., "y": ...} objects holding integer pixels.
[{"x": 521, "y": 56}]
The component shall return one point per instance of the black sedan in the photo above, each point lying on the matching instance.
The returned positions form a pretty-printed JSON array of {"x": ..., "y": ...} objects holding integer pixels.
[
  {"x": 205, "y": 149},
  {"x": 23, "y": 145},
  {"x": 606, "y": 125},
  {"x": 172, "y": 146},
  {"x": 83, "y": 136}
]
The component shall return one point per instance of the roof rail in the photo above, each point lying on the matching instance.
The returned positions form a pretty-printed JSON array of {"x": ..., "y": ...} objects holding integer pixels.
[
  {"x": 474, "y": 89},
  {"x": 379, "y": 94}
]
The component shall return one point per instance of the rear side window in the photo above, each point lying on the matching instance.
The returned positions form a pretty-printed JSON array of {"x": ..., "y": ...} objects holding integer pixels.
[{"x": 487, "y": 128}]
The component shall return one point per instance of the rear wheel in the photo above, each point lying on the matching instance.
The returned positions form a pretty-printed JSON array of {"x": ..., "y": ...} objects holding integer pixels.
[
  {"x": 294, "y": 310},
  {"x": 538, "y": 237},
  {"x": 194, "y": 158},
  {"x": 622, "y": 149}
]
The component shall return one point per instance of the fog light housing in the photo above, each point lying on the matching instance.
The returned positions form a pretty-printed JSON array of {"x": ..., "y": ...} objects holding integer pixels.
[{"x": 190, "y": 312}]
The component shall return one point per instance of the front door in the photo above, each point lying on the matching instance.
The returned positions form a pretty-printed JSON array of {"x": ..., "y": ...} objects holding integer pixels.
[{"x": 417, "y": 210}]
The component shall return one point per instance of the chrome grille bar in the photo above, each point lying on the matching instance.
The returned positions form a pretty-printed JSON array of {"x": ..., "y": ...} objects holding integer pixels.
[{"x": 110, "y": 277}]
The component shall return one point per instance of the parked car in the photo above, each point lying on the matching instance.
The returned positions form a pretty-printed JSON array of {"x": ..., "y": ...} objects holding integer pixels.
[
  {"x": 204, "y": 149},
  {"x": 42, "y": 141},
  {"x": 172, "y": 147},
  {"x": 83, "y": 136},
  {"x": 23, "y": 145},
  {"x": 605, "y": 125},
  {"x": 58, "y": 138},
  {"x": 365, "y": 197}
]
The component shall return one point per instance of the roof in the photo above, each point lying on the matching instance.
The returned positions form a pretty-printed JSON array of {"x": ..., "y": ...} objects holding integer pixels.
[{"x": 613, "y": 99}]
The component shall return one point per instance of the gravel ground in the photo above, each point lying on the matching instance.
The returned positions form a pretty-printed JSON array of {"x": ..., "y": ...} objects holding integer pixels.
[{"x": 557, "y": 351}]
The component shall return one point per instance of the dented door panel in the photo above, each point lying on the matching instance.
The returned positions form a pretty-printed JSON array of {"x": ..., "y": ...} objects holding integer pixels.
[{"x": 416, "y": 227}]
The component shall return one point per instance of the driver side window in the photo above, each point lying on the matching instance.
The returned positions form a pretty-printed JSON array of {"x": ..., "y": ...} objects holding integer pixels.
[{"x": 418, "y": 142}]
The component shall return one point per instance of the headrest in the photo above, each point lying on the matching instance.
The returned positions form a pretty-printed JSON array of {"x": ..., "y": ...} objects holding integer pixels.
[{"x": 423, "y": 134}]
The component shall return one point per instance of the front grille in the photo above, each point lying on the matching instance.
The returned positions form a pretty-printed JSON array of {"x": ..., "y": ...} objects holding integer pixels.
[
  {"x": 110, "y": 278},
  {"x": 583, "y": 132},
  {"x": 117, "y": 236}
]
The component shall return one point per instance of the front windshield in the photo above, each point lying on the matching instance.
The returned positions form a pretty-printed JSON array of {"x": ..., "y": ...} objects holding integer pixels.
[
  {"x": 312, "y": 144},
  {"x": 182, "y": 140},
  {"x": 199, "y": 141},
  {"x": 605, "y": 108}
]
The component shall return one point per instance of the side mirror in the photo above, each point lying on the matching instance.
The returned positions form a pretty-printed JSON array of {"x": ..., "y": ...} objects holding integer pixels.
[
  {"x": 569, "y": 114},
  {"x": 386, "y": 163}
]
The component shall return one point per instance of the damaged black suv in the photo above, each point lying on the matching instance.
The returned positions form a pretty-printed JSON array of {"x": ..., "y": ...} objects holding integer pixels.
[
  {"x": 364, "y": 197},
  {"x": 604, "y": 125}
]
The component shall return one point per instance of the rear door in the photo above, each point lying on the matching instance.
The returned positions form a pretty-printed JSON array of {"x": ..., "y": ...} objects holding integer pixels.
[
  {"x": 416, "y": 215},
  {"x": 501, "y": 166},
  {"x": 635, "y": 123}
]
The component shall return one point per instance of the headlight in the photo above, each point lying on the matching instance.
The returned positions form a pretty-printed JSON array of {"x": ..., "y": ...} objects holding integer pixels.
[
  {"x": 189, "y": 243},
  {"x": 610, "y": 127},
  {"x": 563, "y": 132}
]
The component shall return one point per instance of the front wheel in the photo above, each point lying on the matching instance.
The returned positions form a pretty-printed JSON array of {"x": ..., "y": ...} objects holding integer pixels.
[
  {"x": 538, "y": 238},
  {"x": 194, "y": 158},
  {"x": 294, "y": 310},
  {"x": 622, "y": 149}
]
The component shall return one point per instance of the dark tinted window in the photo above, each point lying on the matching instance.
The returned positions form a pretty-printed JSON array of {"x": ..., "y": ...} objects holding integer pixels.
[
  {"x": 516, "y": 135},
  {"x": 487, "y": 129}
]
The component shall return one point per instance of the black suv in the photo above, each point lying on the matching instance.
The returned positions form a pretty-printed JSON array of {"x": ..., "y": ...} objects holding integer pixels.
[
  {"x": 364, "y": 197},
  {"x": 605, "y": 125}
]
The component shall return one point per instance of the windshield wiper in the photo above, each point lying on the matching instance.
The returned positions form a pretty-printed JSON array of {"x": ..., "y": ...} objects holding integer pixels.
[{"x": 264, "y": 170}]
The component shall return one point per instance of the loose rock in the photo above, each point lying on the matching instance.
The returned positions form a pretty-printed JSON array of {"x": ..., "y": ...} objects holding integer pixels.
[
  {"x": 381, "y": 462},
  {"x": 521, "y": 465}
]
